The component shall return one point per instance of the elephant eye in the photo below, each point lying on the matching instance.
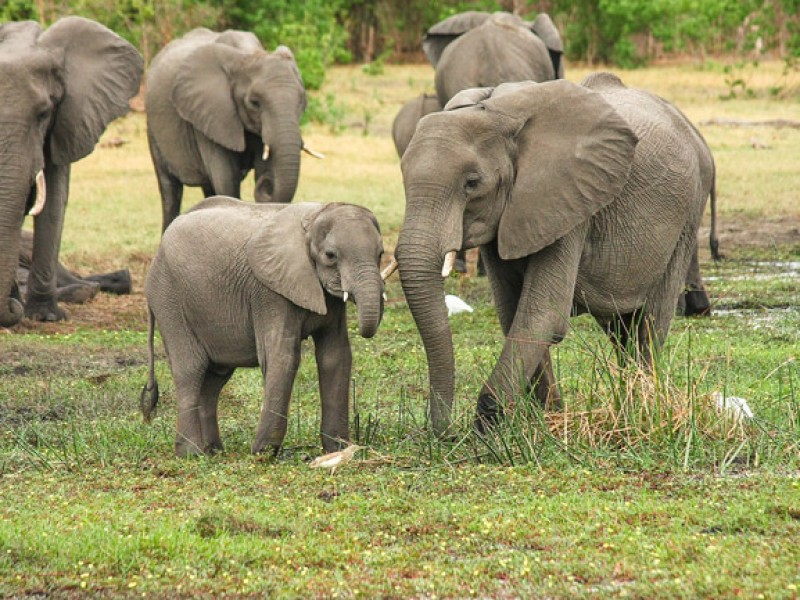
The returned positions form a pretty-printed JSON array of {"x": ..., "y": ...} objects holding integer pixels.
[
  {"x": 254, "y": 103},
  {"x": 330, "y": 255},
  {"x": 472, "y": 182}
]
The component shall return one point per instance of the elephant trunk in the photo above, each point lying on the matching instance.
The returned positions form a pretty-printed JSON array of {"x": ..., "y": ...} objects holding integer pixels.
[
  {"x": 282, "y": 152},
  {"x": 368, "y": 296},
  {"x": 420, "y": 260},
  {"x": 13, "y": 195}
]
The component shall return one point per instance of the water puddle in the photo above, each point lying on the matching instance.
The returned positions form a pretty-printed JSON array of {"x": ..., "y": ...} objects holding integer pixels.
[{"x": 762, "y": 271}]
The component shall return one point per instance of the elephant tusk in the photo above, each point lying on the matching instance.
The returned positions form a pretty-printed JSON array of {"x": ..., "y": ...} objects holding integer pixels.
[
  {"x": 390, "y": 268},
  {"x": 41, "y": 195},
  {"x": 449, "y": 261},
  {"x": 313, "y": 153},
  {"x": 345, "y": 296},
  {"x": 385, "y": 297},
  {"x": 265, "y": 156}
]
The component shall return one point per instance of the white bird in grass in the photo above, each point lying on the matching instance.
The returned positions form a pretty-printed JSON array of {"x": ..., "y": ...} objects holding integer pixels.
[
  {"x": 456, "y": 305},
  {"x": 737, "y": 407},
  {"x": 334, "y": 460}
]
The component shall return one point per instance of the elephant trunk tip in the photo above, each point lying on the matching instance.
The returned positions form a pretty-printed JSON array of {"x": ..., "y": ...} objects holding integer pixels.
[{"x": 13, "y": 315}]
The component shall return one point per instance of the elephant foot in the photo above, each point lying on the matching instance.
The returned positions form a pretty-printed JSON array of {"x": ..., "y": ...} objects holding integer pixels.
[
  {"x": 489, "y": 413},
  {"x": 270, "y": 450},
  {"x": 696, "y": 304},
  {"x": 186, "y": 448},
  {"x": 118, "y": 282},
  {"x": 44, "y": 309},
  {"x": 77, "y": 293}
]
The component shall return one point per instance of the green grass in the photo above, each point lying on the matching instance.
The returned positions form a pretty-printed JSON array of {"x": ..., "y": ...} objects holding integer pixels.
[{"x": 640, "y": 487}]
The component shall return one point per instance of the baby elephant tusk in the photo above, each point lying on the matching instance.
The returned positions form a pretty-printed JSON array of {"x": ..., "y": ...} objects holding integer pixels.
[
  {"x": 345, "y": 296},
  {"x": 41, "y": 195},
  {"x": 449, "y": 261},
  {"x": 313, "y": 153},
  {"x": 265, "y": 156},
  {"x": 385, "y": 297},
  {"x": 390, "y": 268}
]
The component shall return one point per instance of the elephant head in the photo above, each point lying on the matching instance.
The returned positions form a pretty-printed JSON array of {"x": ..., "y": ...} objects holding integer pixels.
[
  {"x": 507, "y": 39},
  {"x": 306, "y": 250},
  {"x": 59, "y": 89},
  {"x": 514, "y": 168},
  {"x": 228, "y": 91}
]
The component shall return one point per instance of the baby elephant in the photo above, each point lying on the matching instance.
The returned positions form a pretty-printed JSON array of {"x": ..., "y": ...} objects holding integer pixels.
[{"x": 236, "y": 284}]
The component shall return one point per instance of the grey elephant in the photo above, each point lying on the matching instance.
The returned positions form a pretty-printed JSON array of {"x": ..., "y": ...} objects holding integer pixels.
[
  {"x": 405, "y": 122},
  {"x": 236, "y": 284},
  {"x": 71, "y": 287},
  {"x": 59, "y": 89},
  {"x": 480, "y": 49},
  {"x": 219, "y": 106},
  {"x": 582, "y": 198}
]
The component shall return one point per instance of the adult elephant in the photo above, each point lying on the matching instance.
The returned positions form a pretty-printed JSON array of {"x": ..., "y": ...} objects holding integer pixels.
[
  {"x": 582, "y": 198},
  {"x": 218, "y": 106},
  {"x": 59, "y": 89},
  {"x": 481, "y": 49},
  {"x": 405, "y": 122}
]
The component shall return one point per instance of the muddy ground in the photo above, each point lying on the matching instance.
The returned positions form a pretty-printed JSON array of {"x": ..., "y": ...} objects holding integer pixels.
[{"x": 738, "y": 235}]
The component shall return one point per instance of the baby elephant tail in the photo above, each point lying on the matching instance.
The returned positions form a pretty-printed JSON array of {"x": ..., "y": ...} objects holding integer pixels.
[{"x": 149, "y": 397}]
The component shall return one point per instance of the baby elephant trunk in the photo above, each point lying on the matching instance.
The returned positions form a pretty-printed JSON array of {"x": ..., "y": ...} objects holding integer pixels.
[{"x": 368, "y": 297}]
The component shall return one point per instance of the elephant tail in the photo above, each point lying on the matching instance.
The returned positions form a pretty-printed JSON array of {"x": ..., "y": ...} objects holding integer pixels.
[
  {"x": 149, "y": 396},
  {"x": 713, "y": 240}
]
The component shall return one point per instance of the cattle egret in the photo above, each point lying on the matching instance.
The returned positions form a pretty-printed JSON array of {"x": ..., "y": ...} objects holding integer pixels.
[
  {"x": 735, "y": 406},
  {"x": 334, "y": 460},
  {"x": 455, "y": 305}
]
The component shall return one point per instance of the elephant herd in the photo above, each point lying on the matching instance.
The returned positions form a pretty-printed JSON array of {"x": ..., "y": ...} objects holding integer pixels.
[{"x": 583, "y": 198}]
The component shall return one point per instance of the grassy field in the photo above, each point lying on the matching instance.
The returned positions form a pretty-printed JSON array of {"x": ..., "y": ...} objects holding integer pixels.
[{"x": 641, "y": 487}]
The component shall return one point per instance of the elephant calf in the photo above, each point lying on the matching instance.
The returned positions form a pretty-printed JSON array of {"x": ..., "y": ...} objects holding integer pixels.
[{"x": 236, "y": 284}]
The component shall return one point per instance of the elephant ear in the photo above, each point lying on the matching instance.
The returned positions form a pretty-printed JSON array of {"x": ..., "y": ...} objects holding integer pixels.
[
  {"x": 442, "y": 33},
  {"x": 102, "y": 73},
  {"x": 468, "y": 97},
  {"x": 574, "y": 155},
  {"x": 545, "y": 30},
  {"x": 278, "y": 256},
  {"x": 202, "y": 94}
]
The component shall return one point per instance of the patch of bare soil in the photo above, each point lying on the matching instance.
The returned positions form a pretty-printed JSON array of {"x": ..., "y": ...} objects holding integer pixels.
[{"x": 741, "y": 232}]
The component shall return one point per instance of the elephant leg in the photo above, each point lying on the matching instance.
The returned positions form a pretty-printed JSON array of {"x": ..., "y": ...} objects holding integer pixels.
[
  {"x": 42, "y": 303},
  {"x": 460, "y": 265},
  {"x": 116, "y": 282},
  {"x": 279, "y": 366},
  {"x": 694, "y": 299},
  {"x": 544, "y": 384},
  {"x": 222, "y": 167},
  {"x": 541, "y": 319},
  {"x": 623, "y": 331},
  {"x": 212, "y": 385},
  {"x": 189, "y": 434},
  {"x": 169, "y": 186},
  {"x": 334, "y": 361},
  {"x": 189, "y": 366}
]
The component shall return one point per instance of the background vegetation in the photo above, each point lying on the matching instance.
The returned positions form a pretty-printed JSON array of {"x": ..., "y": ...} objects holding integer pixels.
[{"x": 323, "y": 32}]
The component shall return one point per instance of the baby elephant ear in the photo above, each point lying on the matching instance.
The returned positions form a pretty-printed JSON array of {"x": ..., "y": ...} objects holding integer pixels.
[
  {"x": 574, "y": 154},
  {"x": 278, "y": 256}
]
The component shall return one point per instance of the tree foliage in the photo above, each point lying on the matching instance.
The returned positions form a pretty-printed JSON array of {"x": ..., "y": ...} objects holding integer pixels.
[{"x": 321, "y": 32}]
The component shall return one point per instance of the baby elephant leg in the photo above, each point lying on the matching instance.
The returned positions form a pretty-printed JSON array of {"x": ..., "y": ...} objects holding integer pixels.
[{"x": 279, "y": 377}]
